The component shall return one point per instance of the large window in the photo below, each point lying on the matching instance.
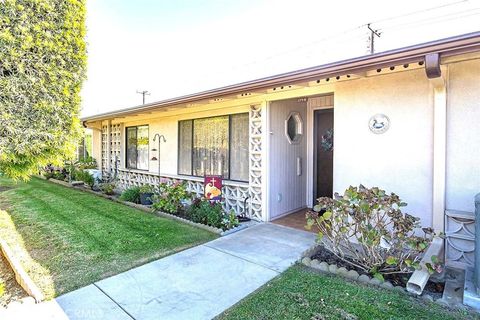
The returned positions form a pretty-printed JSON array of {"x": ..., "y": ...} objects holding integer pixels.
[
  {"x": 214, "y": 146},
  {"x": 137, "y": 147}
]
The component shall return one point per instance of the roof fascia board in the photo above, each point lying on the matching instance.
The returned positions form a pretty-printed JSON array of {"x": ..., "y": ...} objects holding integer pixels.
[{"x": 445, "y": 47}]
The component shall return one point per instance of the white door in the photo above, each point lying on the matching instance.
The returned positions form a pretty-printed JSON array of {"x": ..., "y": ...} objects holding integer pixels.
[{"x": 287, "y": 157}]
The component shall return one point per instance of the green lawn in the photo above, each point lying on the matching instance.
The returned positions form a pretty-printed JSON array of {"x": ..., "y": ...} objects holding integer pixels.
[
  {"x": 301, "y": 293},
  {"x": 67, "y": 239}
]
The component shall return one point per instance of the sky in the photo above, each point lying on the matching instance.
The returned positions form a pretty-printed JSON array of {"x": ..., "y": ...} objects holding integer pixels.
[{"x": 176, "y": 47}]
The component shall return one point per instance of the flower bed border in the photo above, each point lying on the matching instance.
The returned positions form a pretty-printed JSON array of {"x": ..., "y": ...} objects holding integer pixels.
[
  {"x": 353, "y": 275},
  {"x": 150, "y": 210},
  {"x": 21, "y": 276}
]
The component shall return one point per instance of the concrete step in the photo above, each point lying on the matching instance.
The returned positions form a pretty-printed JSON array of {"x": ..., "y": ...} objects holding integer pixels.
[{"x": 454, "y": 286}]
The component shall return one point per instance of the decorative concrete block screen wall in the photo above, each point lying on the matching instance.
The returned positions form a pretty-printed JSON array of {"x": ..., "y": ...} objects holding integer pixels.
[
  {"x": 255, "y": 176},
  {"x": 460, "y": 239},
  {"x": 236, "y": 194}
]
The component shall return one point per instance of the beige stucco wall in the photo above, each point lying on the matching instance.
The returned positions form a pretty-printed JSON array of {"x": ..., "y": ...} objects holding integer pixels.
[
  {"x": 168, "y": 126},
  {"x": 400, "y": 160},
  {"x": 463, "y": 135},
  {"x": 97, "y": 147}
]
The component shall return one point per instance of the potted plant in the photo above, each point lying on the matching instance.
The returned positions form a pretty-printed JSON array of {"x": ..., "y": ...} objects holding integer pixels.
[{"x": 146, "y": 193}]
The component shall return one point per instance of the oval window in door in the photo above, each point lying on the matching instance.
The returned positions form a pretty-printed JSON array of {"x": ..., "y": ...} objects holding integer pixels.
[{"x": 294, "y": 127}]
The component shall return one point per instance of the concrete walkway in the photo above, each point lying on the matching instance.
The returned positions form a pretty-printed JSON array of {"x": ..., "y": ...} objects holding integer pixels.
[{"x": 198, "y": 283}]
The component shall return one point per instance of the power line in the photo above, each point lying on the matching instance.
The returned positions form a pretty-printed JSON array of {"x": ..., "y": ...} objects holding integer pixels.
[
  {"x": 426, "y": 21},
  {"x": 419, "y": 11},
  {"x": 372, "y": 32}
]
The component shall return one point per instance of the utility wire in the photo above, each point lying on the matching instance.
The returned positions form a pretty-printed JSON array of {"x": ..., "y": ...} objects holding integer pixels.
[
  {"x": 420, "y": 11},
  {"x": 427, "y": 20}
]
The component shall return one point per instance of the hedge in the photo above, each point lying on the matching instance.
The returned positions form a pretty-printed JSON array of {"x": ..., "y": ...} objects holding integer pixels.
[{"x": 42, "y": 67}]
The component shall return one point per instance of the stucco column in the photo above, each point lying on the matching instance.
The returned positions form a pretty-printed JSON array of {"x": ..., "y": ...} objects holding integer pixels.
[
  {"x": 265, "y": 165},
  {"x": 439, "y": 155},
  {"x": 97, "y": 145},
  {"x": 108, "y": 146},
  {"x": 437, "y": 76}
]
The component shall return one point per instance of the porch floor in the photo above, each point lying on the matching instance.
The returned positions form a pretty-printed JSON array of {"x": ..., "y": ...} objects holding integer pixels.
[{"x": 294, "y": 220}]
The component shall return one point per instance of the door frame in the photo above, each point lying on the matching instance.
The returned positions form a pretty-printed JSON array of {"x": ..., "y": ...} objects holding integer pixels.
[{"x": 310, "y": 150}]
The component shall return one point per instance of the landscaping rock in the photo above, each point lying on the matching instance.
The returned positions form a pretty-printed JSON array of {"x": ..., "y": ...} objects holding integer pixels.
[
  {"x": 333, "y": 268},
  {"x": 442, "y": 302},
  {"x": 315, "y": 264},
  {"x": 387, "y": 285},
  {"x": 427, "y": 297},
  {"x": 375, "y": 282},
  {"x": 323, "y": 267},
  {"x": 364, "y": 278},
  {"x": 461, "y": 307},
  {"x": 342, "y": 271},
  {"x": 307, "y": 261},
  {"x": 352, "y": 274},
  {"x": 399, "y": 288}
]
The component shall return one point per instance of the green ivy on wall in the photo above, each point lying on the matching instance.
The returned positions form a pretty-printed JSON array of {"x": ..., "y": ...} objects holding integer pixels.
[{"x": 42, "y": 67}]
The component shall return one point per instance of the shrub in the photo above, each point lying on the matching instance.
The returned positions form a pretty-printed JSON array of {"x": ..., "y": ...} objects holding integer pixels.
[
  {"x": 212, "y": 214},
  {"x": 230, "y": 220},
  {"x": 206, "y": 212},
  {"x": 59, "y": 175},
  {"x": 366, "y": 228},
  {"x": 48, "y": 175},
  {"x": 85, "y": 177},
  {"x": 42, "y": 67},
  {"x": 108, "y": 188},
  {"x": 170, "y": 197},
  {"x": 131, "y": 194},
  {"x": 87, "y": 163}
]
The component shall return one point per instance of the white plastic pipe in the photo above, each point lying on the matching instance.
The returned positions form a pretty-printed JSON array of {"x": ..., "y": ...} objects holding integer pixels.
[{"x": 419, "y": 278}]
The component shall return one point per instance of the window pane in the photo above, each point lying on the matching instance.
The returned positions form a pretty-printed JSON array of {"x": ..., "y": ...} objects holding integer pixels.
[
  {"x": 210, "y": 146},
  {"x": 142, "y": 148},
  {"x": 239, "y": 161},
  {"x": 132, "y": 147},
  {"x": 185, "y": 147}
]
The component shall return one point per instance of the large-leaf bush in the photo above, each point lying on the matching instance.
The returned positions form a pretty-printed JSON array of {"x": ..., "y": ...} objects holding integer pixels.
[
  {"x": 366, "y": 228},
  {"x": 170, "y": 196},
  {"x": 42, "y": 67}
]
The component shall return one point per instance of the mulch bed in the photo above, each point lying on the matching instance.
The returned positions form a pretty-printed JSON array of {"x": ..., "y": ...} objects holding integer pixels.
[
  {"x": 13, "y": 291},
  {"x": 432, "y": 288}
]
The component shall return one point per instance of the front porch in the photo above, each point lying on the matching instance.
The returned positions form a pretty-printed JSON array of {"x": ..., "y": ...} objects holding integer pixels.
[{"x": 294, "y": 220}]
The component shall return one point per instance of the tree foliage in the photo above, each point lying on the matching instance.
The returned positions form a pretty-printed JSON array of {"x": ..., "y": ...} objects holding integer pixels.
[{"x": 42, "y": 67}]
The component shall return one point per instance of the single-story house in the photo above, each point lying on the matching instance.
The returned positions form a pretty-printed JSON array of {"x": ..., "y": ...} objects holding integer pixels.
[{"x": 405, "y": 120}]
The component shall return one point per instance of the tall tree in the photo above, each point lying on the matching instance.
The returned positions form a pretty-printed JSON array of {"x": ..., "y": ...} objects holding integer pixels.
[{"x": 42, "y": 67}]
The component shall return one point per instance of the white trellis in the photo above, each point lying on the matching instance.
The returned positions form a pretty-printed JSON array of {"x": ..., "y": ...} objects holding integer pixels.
[{"x": 104, "y": 148}]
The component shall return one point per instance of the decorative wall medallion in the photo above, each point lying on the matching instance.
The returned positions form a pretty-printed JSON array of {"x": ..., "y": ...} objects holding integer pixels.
[{"x": 379, "y": 123}]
